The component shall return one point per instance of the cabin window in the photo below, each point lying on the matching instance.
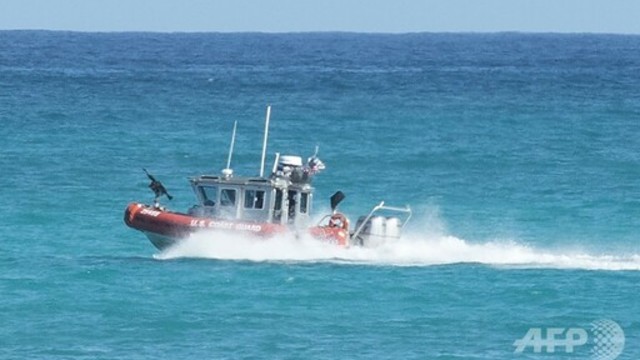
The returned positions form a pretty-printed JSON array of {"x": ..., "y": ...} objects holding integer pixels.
[
  {"x": 291, "y": 196},
  {"x": 277, "y": 213},
  {"x": 254, "y": 199},
  {"x": 209, "y": 195},
  {"x": 278, "y": 205},
  {"x": 228, "y": 197},
  {"x": 304, "y": 203}
]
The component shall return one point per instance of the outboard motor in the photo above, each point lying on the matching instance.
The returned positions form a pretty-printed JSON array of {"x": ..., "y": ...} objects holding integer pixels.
[
  {"x": 393, "y": 227},
  {"x": 379, "y": 226},
  {"x": 377, "y": 230}
]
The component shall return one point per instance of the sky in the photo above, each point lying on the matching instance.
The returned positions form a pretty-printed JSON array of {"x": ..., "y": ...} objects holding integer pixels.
[{"x": 380, "y": 16}]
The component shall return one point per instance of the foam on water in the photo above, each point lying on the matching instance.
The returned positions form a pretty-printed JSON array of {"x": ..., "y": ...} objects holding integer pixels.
[
  {"x": 412, "y": 250},
  {"x": 427, "y": 244}
]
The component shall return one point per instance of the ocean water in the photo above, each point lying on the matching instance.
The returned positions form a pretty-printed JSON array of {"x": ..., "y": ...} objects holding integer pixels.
[{"x": 519, "y": 154}]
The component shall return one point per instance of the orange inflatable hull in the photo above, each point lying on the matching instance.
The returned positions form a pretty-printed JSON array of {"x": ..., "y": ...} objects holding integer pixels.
[{"x": 166, "y": 228}]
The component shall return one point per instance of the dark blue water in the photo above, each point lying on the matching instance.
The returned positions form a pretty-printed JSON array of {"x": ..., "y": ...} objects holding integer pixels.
[{"x": 519, "y": 154}]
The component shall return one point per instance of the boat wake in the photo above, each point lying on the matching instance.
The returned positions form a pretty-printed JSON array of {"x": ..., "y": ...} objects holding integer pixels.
[{"x": 411, "y": 250}]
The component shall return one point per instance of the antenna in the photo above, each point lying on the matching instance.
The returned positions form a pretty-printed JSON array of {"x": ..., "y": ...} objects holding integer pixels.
[
  {"x": 233, "y": 143},
  {"x": 275, "y": 163},
  {"x": 264, "y": 143}
]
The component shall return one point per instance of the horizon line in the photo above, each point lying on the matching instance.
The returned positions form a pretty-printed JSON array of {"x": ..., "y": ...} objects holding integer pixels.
[{"x": 262, "y": 32}]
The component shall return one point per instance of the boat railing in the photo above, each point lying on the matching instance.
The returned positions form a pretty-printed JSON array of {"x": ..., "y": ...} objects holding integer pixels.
[{"x": 323, "y": 219}]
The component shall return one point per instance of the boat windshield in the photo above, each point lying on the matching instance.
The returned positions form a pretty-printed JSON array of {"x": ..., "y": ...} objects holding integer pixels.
[
  {"x": 304, "y": 203},
  {"x": 209, "y": 195},
  {"x": 228, "y": 197},
  {"x": 253, "y": 199}
]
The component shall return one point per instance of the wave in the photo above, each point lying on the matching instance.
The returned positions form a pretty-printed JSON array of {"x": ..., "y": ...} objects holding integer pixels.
[{"x": 412, "y": 250}]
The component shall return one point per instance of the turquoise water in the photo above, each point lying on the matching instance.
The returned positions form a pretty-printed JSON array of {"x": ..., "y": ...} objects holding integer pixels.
[{"x": 517, "y": 152}]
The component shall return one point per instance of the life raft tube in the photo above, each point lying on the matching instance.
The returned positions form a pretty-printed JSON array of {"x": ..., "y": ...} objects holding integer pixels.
[
  {"x": 177, "y": 225},
  {"x": 329, "y": 234},
  {"x": 159, "y": 222},
  {"x": 336, "y": 231},
  {"x": 338, "y": 220}
]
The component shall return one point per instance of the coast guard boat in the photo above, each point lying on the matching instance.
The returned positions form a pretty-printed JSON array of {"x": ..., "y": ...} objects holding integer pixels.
[{"x": 262, "y": 206}]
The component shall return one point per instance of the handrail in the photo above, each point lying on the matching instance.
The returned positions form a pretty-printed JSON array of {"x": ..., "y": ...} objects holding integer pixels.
[{"x": 323, "y": 218}]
